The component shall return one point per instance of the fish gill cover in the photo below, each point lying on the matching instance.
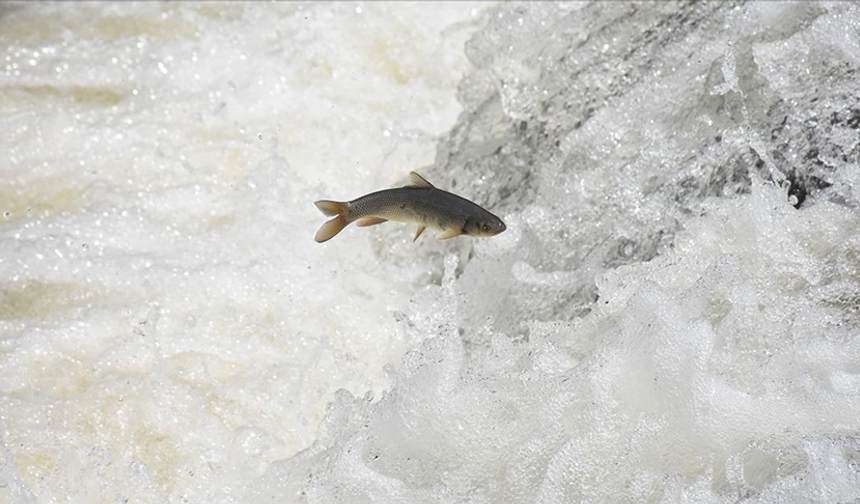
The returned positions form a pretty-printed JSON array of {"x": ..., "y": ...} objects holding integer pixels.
[{"x": 673, "y": 312}]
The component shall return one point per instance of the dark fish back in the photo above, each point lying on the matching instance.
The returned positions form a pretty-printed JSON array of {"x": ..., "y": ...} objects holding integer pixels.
[{"x": 432, "y": 206}]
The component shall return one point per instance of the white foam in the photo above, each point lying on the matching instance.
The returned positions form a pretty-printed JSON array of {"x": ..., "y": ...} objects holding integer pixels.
[
  {"x": 684, "y": 371},
  {"x": 658, "y": 323},
  {"x": 169, "y": 325}
]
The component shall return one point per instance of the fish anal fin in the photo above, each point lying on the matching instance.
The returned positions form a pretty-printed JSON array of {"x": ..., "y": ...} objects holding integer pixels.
[
  {"x": 369, "y": 221},
  {"x": 421, "y": 228},
  {"x": 450, "y": 233},
  {"x": 416, "y": 180}
]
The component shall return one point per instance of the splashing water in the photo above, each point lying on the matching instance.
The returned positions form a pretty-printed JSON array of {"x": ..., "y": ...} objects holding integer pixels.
[{"x": 670, "y": 316}]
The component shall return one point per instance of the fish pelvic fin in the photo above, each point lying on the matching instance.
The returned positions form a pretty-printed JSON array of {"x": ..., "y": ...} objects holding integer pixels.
[
  {"x": 421, "y": 228},
  {"x": 416, "y": 180},
  {"x": 370, "y": 221},
  {"x": 450, "y": 233},
  {"x": 332, "y": 226}
]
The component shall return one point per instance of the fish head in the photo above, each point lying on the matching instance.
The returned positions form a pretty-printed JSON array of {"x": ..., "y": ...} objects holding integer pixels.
[{"x": 485, "y": 225}]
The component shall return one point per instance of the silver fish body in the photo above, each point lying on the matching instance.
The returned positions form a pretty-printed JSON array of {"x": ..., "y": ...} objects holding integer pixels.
[{"x": 419, "y": 202}]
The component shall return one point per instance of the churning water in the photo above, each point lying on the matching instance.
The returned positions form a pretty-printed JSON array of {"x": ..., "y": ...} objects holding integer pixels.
[{"x": 673, "y": 314}]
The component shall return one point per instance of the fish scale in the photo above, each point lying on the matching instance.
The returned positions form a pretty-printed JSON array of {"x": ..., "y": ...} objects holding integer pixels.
[{"x": 419, "y": 202}]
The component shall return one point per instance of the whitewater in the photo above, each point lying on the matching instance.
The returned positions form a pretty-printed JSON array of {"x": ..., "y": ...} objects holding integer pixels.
[{"x": 672, "y": 315}]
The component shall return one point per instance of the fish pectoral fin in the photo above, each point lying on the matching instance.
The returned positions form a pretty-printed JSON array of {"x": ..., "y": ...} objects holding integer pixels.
[
  {"x": 450, "y": 233},
  {"x": 421, "y": 228},
  {"x": 370, "y": 221},
  {"x": 416, "y": 180}
]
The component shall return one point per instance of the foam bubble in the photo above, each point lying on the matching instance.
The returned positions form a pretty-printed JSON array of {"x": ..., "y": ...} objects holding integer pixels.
[{"x": 665, "y": 318}]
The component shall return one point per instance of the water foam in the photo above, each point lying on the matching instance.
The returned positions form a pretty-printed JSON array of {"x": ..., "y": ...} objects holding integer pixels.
[{"x": 671, "y": 315}]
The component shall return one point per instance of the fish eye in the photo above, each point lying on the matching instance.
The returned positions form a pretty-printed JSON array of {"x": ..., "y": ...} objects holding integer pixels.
[{"x": 486, "y": 227}]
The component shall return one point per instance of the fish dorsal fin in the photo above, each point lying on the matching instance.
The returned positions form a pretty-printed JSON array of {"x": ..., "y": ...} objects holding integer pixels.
[{"x": 416, "y": 180}]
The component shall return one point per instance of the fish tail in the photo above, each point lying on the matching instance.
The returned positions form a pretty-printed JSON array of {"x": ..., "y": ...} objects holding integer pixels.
[
  {"x": 330, "y": 207},
  {"x": 332, "y": 226}
]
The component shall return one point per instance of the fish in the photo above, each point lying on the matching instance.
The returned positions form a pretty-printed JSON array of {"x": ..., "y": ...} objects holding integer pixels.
[{"x": 419, "y": 202}]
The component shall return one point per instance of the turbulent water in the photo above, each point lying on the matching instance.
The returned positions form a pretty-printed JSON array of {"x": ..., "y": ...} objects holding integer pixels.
[{"x": 673, "y": 314}]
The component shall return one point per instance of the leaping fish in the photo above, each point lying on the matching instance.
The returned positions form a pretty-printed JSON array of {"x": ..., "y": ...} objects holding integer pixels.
[{"x": 419, "y": 202}]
